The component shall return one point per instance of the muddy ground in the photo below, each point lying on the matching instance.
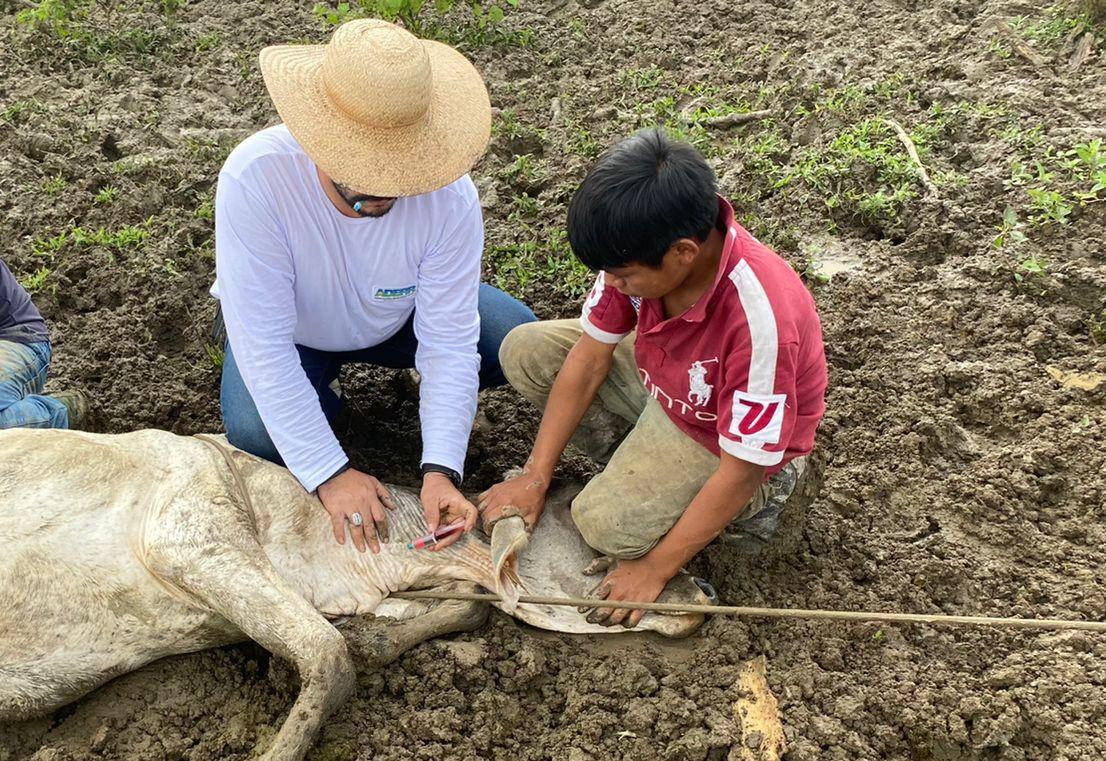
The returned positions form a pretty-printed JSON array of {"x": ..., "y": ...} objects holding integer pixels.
[{"x": 962, "y": 475}]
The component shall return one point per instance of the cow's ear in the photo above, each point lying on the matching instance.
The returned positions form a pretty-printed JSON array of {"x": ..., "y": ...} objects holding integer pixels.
[{"x": 509, "y": 537}]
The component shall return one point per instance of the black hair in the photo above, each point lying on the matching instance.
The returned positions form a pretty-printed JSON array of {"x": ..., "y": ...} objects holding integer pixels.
[{"x": 642, "y": 195}]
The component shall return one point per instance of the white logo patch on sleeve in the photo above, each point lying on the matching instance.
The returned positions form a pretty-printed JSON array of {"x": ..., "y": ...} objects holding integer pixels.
[{"x": 758, "y": 417}]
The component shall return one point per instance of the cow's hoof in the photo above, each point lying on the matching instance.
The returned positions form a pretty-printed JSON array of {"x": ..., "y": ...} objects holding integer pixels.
[{"x": 688, "y": 590}]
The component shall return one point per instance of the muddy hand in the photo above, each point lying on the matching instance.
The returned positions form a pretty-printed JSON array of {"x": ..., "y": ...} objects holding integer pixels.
[
  {"x": 633, "y": 580},
  {"x": 356, "y": 502},
  {"x": 523, "y": 495},
  {"x": 443, "y": 505}
]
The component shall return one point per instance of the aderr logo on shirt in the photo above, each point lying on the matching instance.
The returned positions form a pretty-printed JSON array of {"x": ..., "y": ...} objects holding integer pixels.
[{"x": 389, "y": 294}]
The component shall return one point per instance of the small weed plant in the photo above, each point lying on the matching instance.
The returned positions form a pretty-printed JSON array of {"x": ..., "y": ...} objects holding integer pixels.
[
  {"x": 216, "y": 355},
  {"x": 112, "y": 242},
  {"x": 54, "y": 185},
  {"x": 1030, "y": 267},
  {"x": 67, "y": 21},
  {"x": 206, "y": 207},
  {"x": 1057, "y": 185},
  {"x": 106, "y": 195},
  {"x": 34, "y": 282}
]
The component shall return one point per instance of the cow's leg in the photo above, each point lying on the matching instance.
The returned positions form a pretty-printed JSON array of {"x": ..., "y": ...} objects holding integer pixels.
[
  {"x": 379, "y": 641},
  {"x": 236, "y": 580}
]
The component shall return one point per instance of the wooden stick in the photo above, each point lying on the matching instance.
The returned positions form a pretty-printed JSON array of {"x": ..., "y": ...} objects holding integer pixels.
[
  {"x": 1082, "y": 51},
  {"x": 1089, "y": 130},
  {"x": 1020, "y": 46},
  {"x": 733, "y": 120},
  {"x": 736, "y": 610},
  {"x": 913, "y": 151}
]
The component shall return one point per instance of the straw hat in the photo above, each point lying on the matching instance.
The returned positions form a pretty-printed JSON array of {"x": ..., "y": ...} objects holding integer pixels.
[{"x": 381, "y": 111}]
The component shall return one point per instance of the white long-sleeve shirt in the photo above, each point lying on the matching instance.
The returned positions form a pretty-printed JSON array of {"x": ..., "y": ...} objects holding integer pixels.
[{"x": 291, "y": 269}]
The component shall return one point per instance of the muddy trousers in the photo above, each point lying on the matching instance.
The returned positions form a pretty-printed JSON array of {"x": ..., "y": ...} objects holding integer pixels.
[
  {"x": 23, "y": 369},
  {"x": 653, "y": 469}
]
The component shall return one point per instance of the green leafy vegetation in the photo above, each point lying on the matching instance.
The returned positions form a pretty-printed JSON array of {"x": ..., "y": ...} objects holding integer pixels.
[
  {"x": 216, "y": 354},
  {"x": 522, "y": 207},
  {"x": 54, "y": 185},
  {"x": 106, "y": 195},
  {"x": 62, "y": 17},
  {"x": 1030, "y": 267},
  {"x": 863, "y": 169},
  {"x": 205, "y": 209},
  {"x": 485, "y": 17},
  {"x": 111, "y": 241},
  {"x": 207, "y": 42},
  {"x": 1096, "y": 328},
  {"x": 34, "y": 282},
  {"x": 1057, "y": 23},
  {"x": 67, "y": 22},
  {"x": 17, "y": 112},
  {"x": 1057, "y": 184},
  {"x": 541, "y": 257},
  {"x": 526, "y": 172},
  {"x": 810, "y": 270}
]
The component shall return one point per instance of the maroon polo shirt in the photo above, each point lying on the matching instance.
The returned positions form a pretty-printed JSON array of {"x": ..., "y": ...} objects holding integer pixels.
[{"x": 743, "y": 370}]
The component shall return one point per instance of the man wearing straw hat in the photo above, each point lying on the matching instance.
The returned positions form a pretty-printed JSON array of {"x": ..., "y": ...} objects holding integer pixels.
[{"x": 351, "y": 232}]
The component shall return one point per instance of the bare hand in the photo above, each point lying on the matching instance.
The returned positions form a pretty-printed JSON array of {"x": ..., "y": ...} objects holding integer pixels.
[
  {"x": 637, "y": 580},
  {"x": 357, "y": 499},
  {"x": 525, "y": 493},
  {"x": 444, "y": 505}
]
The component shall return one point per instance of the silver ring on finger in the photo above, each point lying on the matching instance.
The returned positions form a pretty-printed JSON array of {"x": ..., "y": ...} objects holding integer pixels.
[{"x": 356, "y": 519}]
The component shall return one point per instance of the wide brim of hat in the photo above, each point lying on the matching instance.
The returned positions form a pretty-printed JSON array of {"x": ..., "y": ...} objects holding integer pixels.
[{"x": 393, "y": 161}]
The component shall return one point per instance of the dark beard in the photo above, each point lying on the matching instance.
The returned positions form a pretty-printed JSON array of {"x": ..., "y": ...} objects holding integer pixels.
[{"x": 352, "y": 197}]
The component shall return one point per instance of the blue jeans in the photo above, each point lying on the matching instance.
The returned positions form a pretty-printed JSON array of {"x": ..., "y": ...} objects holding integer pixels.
[
  {"x": 499, "y": 313},
  {"x": 23, "y": 370}
]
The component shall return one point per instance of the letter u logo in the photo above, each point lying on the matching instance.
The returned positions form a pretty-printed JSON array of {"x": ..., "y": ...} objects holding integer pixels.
[{"x": 757, "y": 418}]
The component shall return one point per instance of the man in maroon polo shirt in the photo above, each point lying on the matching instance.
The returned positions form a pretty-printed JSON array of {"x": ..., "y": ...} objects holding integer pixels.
[{"x": 696, "y": 373}]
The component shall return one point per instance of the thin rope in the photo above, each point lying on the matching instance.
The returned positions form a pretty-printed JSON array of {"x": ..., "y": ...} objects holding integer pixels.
[
  {"x": 737, "y": 610},
  {"x": 236, "y": 474},
  {"x": 710, "y": 610}
]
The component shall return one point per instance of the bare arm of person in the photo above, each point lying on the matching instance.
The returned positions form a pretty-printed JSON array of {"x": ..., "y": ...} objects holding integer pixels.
[
  {"x": 722, "y": 497},
  {"x": 577, "y": 383}
]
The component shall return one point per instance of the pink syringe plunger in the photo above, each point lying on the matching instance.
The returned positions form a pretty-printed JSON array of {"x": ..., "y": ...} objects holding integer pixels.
[{"x": 431, "y": 539}]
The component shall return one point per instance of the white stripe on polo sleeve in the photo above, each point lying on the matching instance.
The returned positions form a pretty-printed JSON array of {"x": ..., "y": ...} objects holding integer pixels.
[
  {"x": 749, "y": 453},
  {"x": 762, "y": 330}
]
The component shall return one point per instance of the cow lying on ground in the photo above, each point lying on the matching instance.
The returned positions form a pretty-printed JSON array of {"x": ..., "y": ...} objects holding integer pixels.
[{"x": 122, "y": 549}]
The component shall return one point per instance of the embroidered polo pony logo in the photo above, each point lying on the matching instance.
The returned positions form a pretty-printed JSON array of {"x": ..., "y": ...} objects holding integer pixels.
[{"x": 700, "y": 390}]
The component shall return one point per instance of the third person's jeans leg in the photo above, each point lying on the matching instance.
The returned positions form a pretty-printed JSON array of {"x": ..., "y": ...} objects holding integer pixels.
[{"x": 23, "y": 369}]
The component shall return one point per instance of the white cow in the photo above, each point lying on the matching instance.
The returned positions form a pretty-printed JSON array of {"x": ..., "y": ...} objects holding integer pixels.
[{"x": 118, "y": 550}]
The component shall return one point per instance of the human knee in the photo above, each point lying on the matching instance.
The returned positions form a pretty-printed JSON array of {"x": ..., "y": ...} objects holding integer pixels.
[
  {"x": 522, "y": 356},
  {"x": 607, "y": 529}
]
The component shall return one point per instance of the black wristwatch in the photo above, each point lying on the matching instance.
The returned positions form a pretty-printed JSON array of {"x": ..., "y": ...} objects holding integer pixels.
[{"x": 450, "y": 473}]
